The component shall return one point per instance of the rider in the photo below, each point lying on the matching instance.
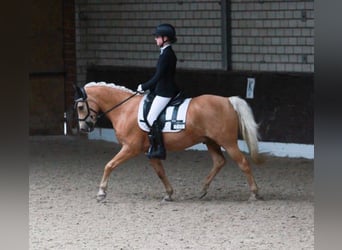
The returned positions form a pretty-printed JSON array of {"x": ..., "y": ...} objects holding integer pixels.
[{"x": 162, "y": 84}]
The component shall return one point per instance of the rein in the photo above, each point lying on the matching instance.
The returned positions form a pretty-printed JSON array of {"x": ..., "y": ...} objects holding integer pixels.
[{"x": 116, "y": 106}]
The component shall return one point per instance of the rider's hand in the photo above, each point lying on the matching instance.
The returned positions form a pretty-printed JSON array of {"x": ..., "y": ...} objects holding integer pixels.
[{"x": 139, "y": 89}]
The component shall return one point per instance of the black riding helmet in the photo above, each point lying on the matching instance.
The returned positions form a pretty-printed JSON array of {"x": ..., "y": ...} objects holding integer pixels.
[{"x": 166, "y": 29}]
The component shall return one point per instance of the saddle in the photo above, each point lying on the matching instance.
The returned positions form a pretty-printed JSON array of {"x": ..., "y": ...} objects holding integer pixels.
[{"x": 171, "y": 119}]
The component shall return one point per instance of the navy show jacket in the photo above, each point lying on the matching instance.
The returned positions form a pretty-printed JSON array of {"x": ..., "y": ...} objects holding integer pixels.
[{"x": 163, "y": 81}]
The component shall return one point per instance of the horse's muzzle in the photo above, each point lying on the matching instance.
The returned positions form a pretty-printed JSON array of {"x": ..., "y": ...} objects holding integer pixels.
[{"x": 87, "y": 127}]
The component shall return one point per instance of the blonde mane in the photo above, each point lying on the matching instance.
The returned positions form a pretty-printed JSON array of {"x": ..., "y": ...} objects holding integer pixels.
[{"x": 109, "y": 85}]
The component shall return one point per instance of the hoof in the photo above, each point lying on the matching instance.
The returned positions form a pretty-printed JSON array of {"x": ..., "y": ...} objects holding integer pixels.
[
  {"x": 167, "y": 198},
  {"x": 203, "y": 193},
  {"x": 255, "y": 197},
  {"x": 101, "y": 197}
]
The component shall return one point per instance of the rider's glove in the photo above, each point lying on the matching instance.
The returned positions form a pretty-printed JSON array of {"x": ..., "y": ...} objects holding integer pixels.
[{"x": 139, "y": 89}]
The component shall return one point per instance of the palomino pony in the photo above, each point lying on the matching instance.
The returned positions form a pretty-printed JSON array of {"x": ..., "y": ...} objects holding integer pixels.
[{"x": 212, "y": 120}]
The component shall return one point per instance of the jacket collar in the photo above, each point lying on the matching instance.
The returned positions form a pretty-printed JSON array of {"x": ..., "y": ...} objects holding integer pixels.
[{"x": 164, "y": 47}]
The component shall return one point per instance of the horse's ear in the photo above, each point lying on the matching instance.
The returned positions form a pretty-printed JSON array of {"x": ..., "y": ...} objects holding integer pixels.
[{"x": 79, "y": 93}]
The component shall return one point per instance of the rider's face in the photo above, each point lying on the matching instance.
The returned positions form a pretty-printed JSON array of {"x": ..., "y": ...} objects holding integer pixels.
[{"x": 160, "y": 40}]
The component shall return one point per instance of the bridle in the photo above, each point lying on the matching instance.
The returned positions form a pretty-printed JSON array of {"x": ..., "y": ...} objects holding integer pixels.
[
  {"x": 88, "y": 109},
  {"x": 98, "y": 116}
]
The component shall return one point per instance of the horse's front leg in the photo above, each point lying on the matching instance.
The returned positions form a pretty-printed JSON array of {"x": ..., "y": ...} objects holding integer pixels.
[
  {"x": 124, "y": 154},
  {"x": 158, "y": 167}
]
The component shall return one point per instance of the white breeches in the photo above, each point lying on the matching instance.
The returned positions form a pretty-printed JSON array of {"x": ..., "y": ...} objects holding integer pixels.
[{"x": 158, "y": 104}]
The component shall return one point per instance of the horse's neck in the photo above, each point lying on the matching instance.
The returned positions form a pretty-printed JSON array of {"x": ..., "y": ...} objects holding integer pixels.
[{"x": 107, "y": 97}]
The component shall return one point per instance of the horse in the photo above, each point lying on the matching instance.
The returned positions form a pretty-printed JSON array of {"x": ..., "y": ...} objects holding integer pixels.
[{"x": 211, "y": 119}]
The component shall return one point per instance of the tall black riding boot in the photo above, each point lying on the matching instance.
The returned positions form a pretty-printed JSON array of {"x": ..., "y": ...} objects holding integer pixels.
[
  {"x": 151, "y": 138},
  {"x": 157, "y": 149}
]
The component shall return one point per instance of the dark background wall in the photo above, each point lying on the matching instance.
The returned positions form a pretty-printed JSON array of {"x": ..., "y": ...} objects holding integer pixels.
[
  {"x": 52, "y": 71},
  {"x": 282, "y": 103}
]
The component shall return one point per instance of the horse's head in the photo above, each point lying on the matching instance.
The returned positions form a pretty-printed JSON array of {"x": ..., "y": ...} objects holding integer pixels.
[{"x": 86, "y": 110}]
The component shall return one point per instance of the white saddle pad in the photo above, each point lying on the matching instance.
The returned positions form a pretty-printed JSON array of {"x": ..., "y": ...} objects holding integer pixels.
[{"x": 174, "y": 122}]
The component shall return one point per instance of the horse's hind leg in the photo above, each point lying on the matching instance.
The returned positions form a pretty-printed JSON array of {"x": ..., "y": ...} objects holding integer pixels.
[
  {"x": 218, "y": 162},
  {"x": 244, "y": 165},
  {"x": 158, "y": 167}
]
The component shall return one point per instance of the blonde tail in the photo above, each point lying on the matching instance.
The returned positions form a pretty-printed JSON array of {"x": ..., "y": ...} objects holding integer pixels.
[{"x": 248, "y": 127}]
